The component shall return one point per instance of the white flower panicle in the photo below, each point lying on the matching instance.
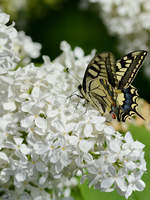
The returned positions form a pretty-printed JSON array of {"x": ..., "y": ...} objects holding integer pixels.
[
  {"x": 8, "y": 58},
  {"x": 25, "y": 47},
  {"x": 15, "y": 47},
  {"x": 119, "y": 166},
  {"x": 130, "y": 21},
  {"x": 48, "y": 138}
]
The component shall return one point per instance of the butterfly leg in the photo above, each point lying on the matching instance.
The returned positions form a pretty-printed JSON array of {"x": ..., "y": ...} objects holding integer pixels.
[{"x": 74, "y": 94}]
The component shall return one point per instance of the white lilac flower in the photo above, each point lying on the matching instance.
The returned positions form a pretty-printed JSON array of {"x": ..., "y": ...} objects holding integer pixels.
[
  {"x": 47, "y": 137},
  {"x": 15, "y": 47},
  {"x": 129, "y": 20},
  {"x": 25, "y": 47},
  {"x": 8, "y": 59},
  {"x": 119, "y": 167}
]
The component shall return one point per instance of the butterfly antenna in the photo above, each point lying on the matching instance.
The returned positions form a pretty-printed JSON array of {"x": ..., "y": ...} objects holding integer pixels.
[{"x": 69, "y": 72}]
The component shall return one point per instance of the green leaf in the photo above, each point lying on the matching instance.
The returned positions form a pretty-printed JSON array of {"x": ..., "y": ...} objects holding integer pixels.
[{"x": 76, "y": 193}]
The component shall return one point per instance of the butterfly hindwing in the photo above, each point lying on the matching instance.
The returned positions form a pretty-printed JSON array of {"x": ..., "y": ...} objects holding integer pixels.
[{"x": 128, "y": 103}]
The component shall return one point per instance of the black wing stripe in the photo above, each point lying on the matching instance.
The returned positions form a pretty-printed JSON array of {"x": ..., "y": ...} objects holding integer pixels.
[
  {"x": 130, "y": 69},
  {"x": 110, "y": 68}
]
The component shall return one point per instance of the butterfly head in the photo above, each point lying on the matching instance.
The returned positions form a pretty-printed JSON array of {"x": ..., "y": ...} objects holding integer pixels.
[
  {"x": 79, "y": 87},
  {"x": 113, "y": 116},
  {"x": 82, "y": 92},
  {"x": 115, "y": 111}
]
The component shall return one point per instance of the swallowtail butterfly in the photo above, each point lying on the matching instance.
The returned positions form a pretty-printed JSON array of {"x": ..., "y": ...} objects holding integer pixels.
[{"x": 107, "y": 84}]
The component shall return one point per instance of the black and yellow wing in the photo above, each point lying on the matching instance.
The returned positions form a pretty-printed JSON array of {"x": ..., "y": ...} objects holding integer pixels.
[
  {"x": 127, "y": 67},
  {"x": 102, "y": 66},
  {"x": 98, "y": 81},
  {"x": 127, "y": 102},
  {"x": 101, "y": 94}
]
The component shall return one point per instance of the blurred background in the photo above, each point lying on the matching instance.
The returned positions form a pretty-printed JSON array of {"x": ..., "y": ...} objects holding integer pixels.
[{"x": 90, "y": 24}]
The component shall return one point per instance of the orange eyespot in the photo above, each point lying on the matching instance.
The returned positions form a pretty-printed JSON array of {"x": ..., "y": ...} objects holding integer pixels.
[{"x": 113, "y": 116}]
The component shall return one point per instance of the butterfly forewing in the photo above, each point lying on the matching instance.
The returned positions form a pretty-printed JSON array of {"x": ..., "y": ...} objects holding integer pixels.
[
  {"x": 127, "y": 68},
  {"x": 101, "y": 94},
  {"x": 102, "y": 66}
]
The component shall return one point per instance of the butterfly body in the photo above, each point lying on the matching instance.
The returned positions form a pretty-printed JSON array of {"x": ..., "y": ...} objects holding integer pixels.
[{"x": 107, "y": 84}]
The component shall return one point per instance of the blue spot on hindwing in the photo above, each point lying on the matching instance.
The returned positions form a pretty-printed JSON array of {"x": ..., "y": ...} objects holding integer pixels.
[
  {"x": 126, "y": 107},
  {"x": 128, "y": 99}
]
